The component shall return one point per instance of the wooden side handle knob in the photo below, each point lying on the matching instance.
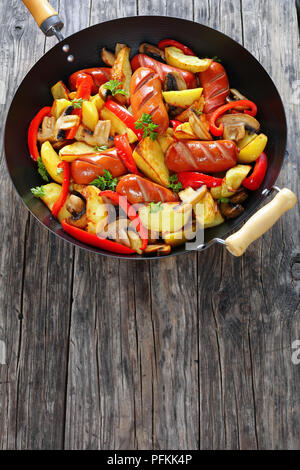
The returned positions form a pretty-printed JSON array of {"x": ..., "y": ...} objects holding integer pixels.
[
  {"x": 41, "y": 10},
  {"x": 261, "y": 222}
]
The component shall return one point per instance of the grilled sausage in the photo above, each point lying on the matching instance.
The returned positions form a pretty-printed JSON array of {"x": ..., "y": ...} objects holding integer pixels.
[
  {"x": 87, "y": 167},
  {"x": 215, "y": 87},
  {"x": 146, "y": 97},
  {"x": 139, "y": 190},
  {"x": 99, "y": 75},
  {"x": 206, "y": 156},
  {"x": 142, "y": 60}
]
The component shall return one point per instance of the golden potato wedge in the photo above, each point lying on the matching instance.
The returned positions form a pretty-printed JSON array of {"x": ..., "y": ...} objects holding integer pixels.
[
  {"x": 52, "y": 192},
  {"x": 218, "y": 220},
  {"x": 178, "y": 59},
  {"x": 235, "y": 176},
  {"x": 96, "y": 211},
  {"x": 192, "y": 196},
  {"x": 253, "y": 149},
  {"x": 72, "y": 95},
  {"x": 246, "y": 140},
  {"x": 51, "y": 160},
  {"x": 163, "y": 217},
  {"x": 149, "y": 158},
  {"x": 59, "y": 91},
  {"x": 181, "y": 236},
  {"x": 182, "y": 98},
  {"x": 205, "y": 210},
  {"x": 98, "y": 101},
  {"x": 165, "y": 141},
  {"x": 70, "y": 152},
  {"x": 121, "y": 71},
  {"x": 185, "y": 131},
  {"x": 159, "y": 249},
  {"x": 108, "y": 57},
  {"x": 117, "y": 126},
  {"x": 197, "y": 105},
  {"x": 90, "y": 115},
  {"x": 59, "y": 106},
  {"x": 135, "y": 241}
]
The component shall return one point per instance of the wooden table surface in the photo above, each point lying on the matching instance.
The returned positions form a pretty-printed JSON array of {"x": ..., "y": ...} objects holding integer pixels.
[{"x": 188, "y": 352}]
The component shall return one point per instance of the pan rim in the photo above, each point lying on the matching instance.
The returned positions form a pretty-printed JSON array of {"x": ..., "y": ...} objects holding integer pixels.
[{"x": 250, "y": 211}]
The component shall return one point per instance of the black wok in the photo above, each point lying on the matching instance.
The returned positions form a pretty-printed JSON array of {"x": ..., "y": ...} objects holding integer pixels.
[{"x": 244, "y": 71}]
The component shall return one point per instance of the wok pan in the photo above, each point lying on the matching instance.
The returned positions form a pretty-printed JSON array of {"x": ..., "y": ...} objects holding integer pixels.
[{"x": 244, "y": 71}]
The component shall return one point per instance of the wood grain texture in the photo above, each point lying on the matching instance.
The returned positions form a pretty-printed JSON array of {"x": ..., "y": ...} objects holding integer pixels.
[{"x": 189, "y": 352}]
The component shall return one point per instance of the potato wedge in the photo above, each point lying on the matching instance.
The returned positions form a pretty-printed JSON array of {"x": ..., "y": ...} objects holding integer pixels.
[
  {"x": 108, "y": 57},
  {"x": 192, "y": 196},
  {"x": 70, "y": 152},
  {"x": 135, "y": 241},
  {"x": 205, "y": 210},
  {"x": 59, "y": 106},
  {"x": 117, "y": 126},
  {"x": 121, "y": 71},
  {"x": 165, "y": 141},
  {"x": 182, "y": 98},
  {"x": 90, "y": 115},
  {"x": 235, "y": 176},
  {"x": 246, "y": 140},
  {"x": 253, "y": 149},
  {"x": 51, "y": 160},
  {"x": 164, "y": 218},
  {"x": 59, "y": 91},
  {"x": 197, "y": 105},
  {"x": 178, "y": 59},
  {"x": 221, "y": 191},
  {"x": 181, "y": 236},
  {"x": 149, "y": 158},
  {"x": 52, "y": 192},
  {"x": 72, "y": 95},
  {"x": 218, "y": 220},
  {"x": 98, "y": 101},
  {"x": 96, "y": 211},
  {"x": 185, "y": 131}
]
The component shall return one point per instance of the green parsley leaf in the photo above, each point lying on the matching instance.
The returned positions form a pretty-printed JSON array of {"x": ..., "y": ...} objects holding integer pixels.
[
  {"x": 223, "y": 200},
  {"x": 199, "y": 112},
  {"x": 105, "y": 182},
  {"x": 77, "y": 103},
  {"x": 148, "y": 126},
  {"x": 114, "y": 87},
  {"x": 97, "y": 148},
  {"x": 42, "y": 169},
  {"x": 155, "y": 207},
  {"x": 175, "y": 185},
  {"x": 216, "y": 59},
  {"x": 38, "y": 191}
]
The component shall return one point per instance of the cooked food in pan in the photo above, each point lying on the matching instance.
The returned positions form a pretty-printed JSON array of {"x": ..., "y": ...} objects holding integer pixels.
[{"x": 139, "y": 155}]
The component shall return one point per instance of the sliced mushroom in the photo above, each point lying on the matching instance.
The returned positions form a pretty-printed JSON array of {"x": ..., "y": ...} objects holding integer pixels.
[
  {"x": 235, "y": 95},
  {"x": 235, "y": 125},
  {"x": 240, "y": 196},
  {"x": 200, "y": 125},
  {"x": 104, "y": 92},
  {"x": 159, "y": 249},
  {"x": 76, "y": 205},
  {"x": 173, "y": 111},
  {"x": 117, "y": 231},
  {"x": 99, "y": 137},
  {"x": 230, "y": 210},
  {"x": 108, "y": 57},
  {"x": 47, "y": 130},
  {"x": 65, "y": 122},
  {"x": 152, "y": 51},
  {"x": 174, "y": 82}
]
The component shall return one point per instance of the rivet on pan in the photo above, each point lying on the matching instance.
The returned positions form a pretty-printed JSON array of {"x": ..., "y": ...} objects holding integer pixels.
[
  {"x": 66, "y": 48},
  {"x": 70, "y": 58}
]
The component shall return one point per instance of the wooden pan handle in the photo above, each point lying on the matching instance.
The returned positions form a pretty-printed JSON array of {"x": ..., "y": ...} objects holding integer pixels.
[
  {"x": 41, "y": 10},
  {"x": 261, "y": 222},
  {"x": 45, "y": 16}
]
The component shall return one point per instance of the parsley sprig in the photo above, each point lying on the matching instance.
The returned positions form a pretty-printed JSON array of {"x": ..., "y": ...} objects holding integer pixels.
[
  {"x": 105, "y": 182},
  {"x": 77, "y": 103},
  {"x": 38, "y": 191},
  {"x": 155, "y": 207},
  {"x": 216, "y": 58},
  {"x": 175, "y": 185},
  {"x": 101, "y": 148},
  {"x": 114, "y": 87},
  {"x": 223, "y": 200},
  {"x": 148, "y": 126},
  {"x": 42, "y": 169}
]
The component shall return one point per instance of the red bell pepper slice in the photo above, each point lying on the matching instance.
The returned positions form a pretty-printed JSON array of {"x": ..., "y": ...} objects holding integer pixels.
[
  {"x": 64, "y": 190},
  {"x": 196, "y": 180},
  {"x": 175, "y": 123},
  {"x": 218, "y": 130},
  {"x": 99, "y": 75},
  {"x": 256, "y": 178},
  {"x": 172, "y": 43},
  {"x": 84, "y": 88},
  {"x": 33, "y": 131},
  {"x": 94, "y": 240},
  {"x": 125, "y": 153},
  {"x": 130, "y": 212},
  {"x": 124, "y": 115}
]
